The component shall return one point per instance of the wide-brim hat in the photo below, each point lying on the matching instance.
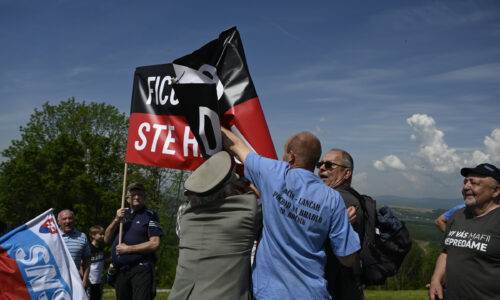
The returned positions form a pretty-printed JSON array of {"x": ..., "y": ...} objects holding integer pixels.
[
  {"x": 488, "y": 170},
  {"x": 211, "y": 175}
]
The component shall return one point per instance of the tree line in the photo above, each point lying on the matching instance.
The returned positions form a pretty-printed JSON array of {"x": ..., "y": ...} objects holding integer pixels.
[{"x": 71, "y": 155}]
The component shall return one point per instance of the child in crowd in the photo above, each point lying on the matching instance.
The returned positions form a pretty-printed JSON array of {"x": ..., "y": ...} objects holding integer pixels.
[{"x": 96, "y": 235}]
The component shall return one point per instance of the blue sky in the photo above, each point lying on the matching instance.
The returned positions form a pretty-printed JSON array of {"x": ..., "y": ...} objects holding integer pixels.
[{"x": 409, "y": 88}]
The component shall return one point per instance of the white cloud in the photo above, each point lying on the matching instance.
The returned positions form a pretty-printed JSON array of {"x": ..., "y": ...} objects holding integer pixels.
[
  {"x": 360, "y": 180},
  {"x": 379, "y": 165},
  {"x": 79, "y": 70},
  {"x": 484, "y": 73},
  {"x": 432, "y": 147},
  {"x": 394, "y": 162},
  {"x": 492, "y": 144},
  {"x": 390, "y": 161},
  {"x": 434, "y": 15},
  {"x": 478, "y": 157},
  {"x": 492, "y": 149},
  {"x": 435, "y": 154},
  {"x": 360, "y": 177},
  {"x": 410, "y": 177}
]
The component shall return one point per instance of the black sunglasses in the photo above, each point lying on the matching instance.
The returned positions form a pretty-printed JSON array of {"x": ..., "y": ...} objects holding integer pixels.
[{"x": 328, "y": 164}]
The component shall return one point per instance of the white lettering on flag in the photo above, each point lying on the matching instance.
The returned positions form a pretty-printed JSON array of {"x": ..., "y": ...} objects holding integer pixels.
[{"x": 45, "y": 269}]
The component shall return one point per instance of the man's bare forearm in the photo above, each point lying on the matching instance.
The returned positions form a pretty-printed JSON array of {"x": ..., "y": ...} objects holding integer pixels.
[
  {"x": 441, "y": 223},
  {"x": 347, "y": 260},
  {"x": 110, "y": 231},
  {"x": 147, "y": 247},
  {"x": 438, "y": 278},
  {"x": 86, "y": 270},
  {"x": 235, "y": 145}
]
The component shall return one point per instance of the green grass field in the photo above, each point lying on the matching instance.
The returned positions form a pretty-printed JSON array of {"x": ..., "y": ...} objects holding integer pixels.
[
  {"x": 369, "y": 295},
  {"x": 393, "y": 295},
  {"x": 111, "y": 296}
]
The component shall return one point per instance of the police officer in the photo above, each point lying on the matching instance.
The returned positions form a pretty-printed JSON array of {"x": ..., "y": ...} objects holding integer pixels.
[{"x": 134, "y": 257}]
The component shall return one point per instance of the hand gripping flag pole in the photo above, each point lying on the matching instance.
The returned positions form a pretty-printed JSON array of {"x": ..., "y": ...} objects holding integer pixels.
[{"x": 123, "y": 202}]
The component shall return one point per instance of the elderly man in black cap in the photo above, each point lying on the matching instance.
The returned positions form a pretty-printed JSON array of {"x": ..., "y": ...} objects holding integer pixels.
[
  {"x": 469, "y": 265},
  {"x": 218, "y": 228},
  {"x": 134, "y": 257}
]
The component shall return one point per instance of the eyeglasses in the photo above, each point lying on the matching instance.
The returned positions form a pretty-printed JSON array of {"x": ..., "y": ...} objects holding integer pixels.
[
  {"x": 328, "y": 164},
  {"x": 131, "y": 195}
]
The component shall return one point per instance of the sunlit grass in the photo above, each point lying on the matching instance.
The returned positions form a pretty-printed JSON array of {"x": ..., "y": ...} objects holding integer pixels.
[
  {"x": 396, "y": 295},
  {"x": 369, "y": 295},
  {"x": 111, "y": 296}
]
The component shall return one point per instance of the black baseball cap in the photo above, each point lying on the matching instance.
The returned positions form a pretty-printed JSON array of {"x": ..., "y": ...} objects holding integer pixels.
[
  {"x": 488, "y": 170},
  {"x": 136, "y": 186}
]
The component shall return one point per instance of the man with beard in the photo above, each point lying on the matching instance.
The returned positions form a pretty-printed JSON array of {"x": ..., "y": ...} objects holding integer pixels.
[{"x": 469, "y": 265}]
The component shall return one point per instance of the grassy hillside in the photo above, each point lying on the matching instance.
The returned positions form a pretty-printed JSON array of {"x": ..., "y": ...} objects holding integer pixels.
[
  {"x": 420, "y": 224},
  {"x": 430, "y": 203}
]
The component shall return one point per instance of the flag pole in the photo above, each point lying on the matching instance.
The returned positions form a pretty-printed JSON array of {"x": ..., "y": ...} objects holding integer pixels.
[{"x": 123, "y": 202}]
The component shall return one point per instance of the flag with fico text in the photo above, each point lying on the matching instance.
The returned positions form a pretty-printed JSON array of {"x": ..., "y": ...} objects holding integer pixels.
[
  {"x": 166, "y": 132},
  {"x": 36, "y": 264}
]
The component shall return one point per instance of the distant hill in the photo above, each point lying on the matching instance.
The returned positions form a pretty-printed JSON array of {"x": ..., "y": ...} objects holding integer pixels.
[{"x": 431, "y": 203}]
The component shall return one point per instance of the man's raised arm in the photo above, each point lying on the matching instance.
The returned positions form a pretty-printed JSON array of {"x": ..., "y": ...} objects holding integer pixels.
[{"x": 235, "y": 145}]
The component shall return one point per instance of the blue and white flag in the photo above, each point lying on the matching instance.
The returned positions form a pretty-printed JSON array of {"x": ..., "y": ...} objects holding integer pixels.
[{"x": 36, "y": 264}]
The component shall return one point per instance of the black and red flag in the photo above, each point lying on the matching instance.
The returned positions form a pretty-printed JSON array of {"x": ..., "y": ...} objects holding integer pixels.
[
  {"x": 201, "y": 109},
  {"x": 159, "y": 134}
]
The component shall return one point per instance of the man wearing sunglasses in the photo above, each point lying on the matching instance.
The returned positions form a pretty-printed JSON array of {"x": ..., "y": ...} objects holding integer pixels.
[
  {"x": 335, "y": 169},
  {"x": 300, "y": 214}
]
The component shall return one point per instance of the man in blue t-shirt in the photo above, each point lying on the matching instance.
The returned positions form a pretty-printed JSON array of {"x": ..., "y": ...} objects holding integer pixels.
[
  {"x": 300, "y": 214},
  {"x": 443, "y": 218},
  {"x": 134, "y": 257}
]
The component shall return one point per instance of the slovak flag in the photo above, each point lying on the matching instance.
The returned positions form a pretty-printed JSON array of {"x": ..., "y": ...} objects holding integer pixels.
[{"x": 36, "y": 264}]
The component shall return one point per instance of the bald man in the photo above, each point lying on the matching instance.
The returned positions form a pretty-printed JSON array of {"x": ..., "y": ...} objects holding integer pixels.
[{"x": 300, "y": 214}]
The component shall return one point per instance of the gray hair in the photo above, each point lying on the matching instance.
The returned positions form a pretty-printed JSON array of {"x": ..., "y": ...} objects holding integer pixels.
[{"x": 346, "y": 158}]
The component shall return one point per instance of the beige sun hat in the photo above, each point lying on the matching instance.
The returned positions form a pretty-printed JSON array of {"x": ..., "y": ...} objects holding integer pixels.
[{"x": 211, "y": 175}]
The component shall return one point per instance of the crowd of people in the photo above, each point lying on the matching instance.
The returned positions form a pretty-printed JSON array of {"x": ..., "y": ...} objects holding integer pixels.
[
  {"x": 280, "y": 232},
  {"x": 131, "y": 271}
]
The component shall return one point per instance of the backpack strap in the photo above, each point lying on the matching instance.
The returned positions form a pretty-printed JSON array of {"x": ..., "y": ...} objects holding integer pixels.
[
  {"x": 362, "y": 203},
  {"x": 360, "y": 198}
]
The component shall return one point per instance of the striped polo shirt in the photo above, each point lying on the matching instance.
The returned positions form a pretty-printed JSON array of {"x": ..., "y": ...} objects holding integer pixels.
[{"x": 77, "y": 244}]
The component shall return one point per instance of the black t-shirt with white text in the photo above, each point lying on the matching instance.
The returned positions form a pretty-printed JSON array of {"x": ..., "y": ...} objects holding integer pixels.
[{"x": 473, "y": 260}]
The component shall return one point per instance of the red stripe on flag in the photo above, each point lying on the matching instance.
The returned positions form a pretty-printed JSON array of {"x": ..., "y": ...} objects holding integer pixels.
[
  {"x": 163, "y": 141},
  {"x": 12, "y": 284},
  {"x": 250, "y": 121}
]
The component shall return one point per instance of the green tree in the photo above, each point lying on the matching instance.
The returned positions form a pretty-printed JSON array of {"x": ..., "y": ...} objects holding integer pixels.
[
  {"x": 410, "y": 273},
  {"x": 430, "y": 259},
  {"x": 69, "y": 156}
]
